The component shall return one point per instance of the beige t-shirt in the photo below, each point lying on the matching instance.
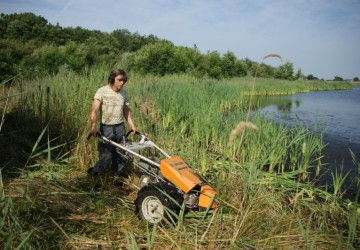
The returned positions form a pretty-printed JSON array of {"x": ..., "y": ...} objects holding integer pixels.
[{"x": 112, "y": 104}]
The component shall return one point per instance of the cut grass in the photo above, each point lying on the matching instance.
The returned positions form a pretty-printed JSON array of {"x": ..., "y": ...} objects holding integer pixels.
[{"x": 66, "y": 209}]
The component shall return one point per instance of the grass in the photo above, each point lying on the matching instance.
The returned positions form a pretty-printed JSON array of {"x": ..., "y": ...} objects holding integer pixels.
[
  {"x": 71, "y": 211},
  {"x": 265, "y": 199}
]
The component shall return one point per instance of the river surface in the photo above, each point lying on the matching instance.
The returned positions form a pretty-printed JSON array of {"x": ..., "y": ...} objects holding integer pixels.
[{"x": 336, "y": 113}]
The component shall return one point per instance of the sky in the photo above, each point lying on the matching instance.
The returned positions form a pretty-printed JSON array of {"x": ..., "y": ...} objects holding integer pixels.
[{"x": 320, "y": 37}]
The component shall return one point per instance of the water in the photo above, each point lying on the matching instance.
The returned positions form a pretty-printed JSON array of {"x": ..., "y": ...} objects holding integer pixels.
[{"x": 336, "y": 113}]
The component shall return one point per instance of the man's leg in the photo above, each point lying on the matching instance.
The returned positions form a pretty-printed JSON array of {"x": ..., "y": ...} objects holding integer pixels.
[
  {"x": 105, "y": 151},
  {"x": 117, "y": 160}
]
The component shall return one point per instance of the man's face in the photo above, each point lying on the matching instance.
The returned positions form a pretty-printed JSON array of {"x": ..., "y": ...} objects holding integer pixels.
[{"x": 119, "y": 82}]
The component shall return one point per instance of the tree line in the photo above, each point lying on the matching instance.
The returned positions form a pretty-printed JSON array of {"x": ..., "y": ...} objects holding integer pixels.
[{"x": 30, "y": 47}]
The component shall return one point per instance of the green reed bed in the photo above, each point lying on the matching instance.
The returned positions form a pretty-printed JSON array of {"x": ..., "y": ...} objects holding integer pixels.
[
  {"x": 195, "y": 113},
  {"x": 265, "y": 86},
  {"x": 258, "y": 168}
]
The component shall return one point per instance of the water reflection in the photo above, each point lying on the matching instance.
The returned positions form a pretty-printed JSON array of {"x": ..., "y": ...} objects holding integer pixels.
[{"x": 283, "y": 104}]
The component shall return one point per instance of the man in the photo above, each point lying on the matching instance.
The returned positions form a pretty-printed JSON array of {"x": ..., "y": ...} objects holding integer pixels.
[{"x": 113, "y": 103}]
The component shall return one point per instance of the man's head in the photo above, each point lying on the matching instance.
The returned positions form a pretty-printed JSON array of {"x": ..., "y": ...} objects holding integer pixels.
[{"x": 117, "y": 74}]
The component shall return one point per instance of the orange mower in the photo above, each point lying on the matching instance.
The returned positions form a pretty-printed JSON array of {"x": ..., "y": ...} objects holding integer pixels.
[{"x": 167, "y": 183}]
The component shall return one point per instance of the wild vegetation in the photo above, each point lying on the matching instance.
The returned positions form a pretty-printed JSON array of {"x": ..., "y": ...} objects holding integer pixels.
[
  {"x": 260, "y": 170},
  {"x": 199, "y": 106}
]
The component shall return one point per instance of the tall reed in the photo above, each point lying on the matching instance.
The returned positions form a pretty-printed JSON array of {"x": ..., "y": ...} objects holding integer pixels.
[{"x": 260, "y": 203}]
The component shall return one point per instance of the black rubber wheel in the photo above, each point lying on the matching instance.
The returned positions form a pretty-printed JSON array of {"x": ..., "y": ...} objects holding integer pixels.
[{"x": 154, "y": 205}]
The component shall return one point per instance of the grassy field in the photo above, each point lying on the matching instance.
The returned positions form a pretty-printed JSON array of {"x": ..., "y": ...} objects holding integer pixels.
[{"x": 259, "y": 169}]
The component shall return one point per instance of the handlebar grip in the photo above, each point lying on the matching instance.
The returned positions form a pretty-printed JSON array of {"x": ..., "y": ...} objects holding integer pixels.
[
  {"x": 128, "y": 133},
  {"x": 97, "y": 134}
]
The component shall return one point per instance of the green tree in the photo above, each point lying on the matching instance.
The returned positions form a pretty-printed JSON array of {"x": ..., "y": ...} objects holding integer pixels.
[
  {"x": 228, "y": 63},
  {"x": 285, "y": 71},
  {"x": 76, "y": 56},
  {"x": 310, "y": 77},
  {"x": 122, "y": 38},
  {"x": 127, "y": 41},
  {"x": 48, "y": 60},
  {"x": 78, "y": 34},
  {"x": 252, "y": 66},
  {"x": 7, "y": 65},
  {"x": 299, "y": 75},
  {"x": 34, "y": 47},
  {"x": 24, "y": 27},
  {"x": 338, "y": 78},
  {"x": 213, "y": 64},
  {"x": 189, "y": 60},
  {"x": 154, "y": 58},
  {"x": 55, "y": 34},
  {"x": 265, "y": 71},
  {"x": 356, "y": 79},
  {"x": 3, "y": 25},
  {"x": 241, "y": 68},
  {"x": 11, "y": 54}
]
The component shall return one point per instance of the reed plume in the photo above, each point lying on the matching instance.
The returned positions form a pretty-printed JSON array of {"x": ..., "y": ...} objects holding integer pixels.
[
  {"x": 272, "y": 55},
  {"x": 240, "y": 128}
]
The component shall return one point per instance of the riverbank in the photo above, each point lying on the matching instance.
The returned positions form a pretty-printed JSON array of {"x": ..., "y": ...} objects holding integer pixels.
[
  {"x": 265, "y": 87},
  {"x": 331, "y": 115}
]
